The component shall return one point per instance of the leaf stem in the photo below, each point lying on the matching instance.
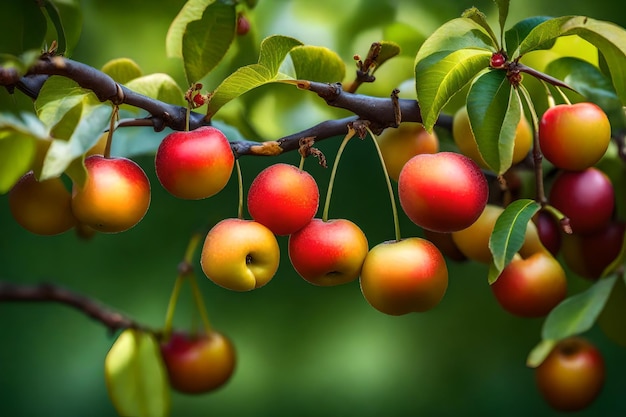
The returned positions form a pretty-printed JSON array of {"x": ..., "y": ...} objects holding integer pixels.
[
  {"x": 394, "y": 210},
  {"x": 331, "y": 182}
]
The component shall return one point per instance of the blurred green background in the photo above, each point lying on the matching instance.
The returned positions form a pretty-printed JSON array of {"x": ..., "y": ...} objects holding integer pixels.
[{"x": 302, "y": 350}]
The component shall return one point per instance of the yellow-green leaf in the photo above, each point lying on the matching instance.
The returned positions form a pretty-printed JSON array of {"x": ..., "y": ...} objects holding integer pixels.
[
  {"x": 122, "y": 70},
  {"x": 136, "y": 377}
]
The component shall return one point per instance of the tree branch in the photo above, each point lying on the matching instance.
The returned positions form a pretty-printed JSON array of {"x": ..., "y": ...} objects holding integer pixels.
[
  {"x": 46, "y": 292},
  {"x": 379, "y": 112}
]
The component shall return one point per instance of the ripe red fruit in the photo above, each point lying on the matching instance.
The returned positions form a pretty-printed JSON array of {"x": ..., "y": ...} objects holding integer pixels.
[
  {"x": 574, "y": 136},
  {"x": 42, "y": 207},
  {"x": 400, "y": 277},
  {"x": 442, "y": 192},
  {"x": 195, "y": 164},
  {"x": 549, "y": 231},
  {"x": 497, "y": 60},
  {"x": 531, "y": 287},
  {"x": 115, "y": 197},
  {"x": 572, "y": 375},
  {"x": 589, "y": 255},
  {"x": 198, "y": 364},
  {"x": 283, "y": 198},
  {"x": 328, "y": 253},
  {"x": 585, "y": 197}
]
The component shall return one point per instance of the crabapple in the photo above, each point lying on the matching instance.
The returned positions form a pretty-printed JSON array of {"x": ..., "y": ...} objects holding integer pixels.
[
  {"x": 240, "y": 255},
  {"x": 466, "y": 141},
  {"x": 572, "y": 375},
  {"x": 41, "y": 207},
  {"x": 194, "y": 164},
  {"x": 442, "y": 192},
  {"x": 585, "y": 197},
  {"x": 400, "y": 277},
  {"x": 589, "y": 255},
  {"x": 115, "y": 196},
  {"x": 328, "y": 252},
  {"x": 198, "y": 363},
  {"x": 574, "y": 137},
  {"x": 283, "y": 198},
  {"x": 401, "y": 144},
  {"x": 531, "y": 287}
]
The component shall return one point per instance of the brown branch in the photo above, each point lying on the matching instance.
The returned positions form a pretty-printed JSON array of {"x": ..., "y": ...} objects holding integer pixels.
[{"x": 45, "y": 292}]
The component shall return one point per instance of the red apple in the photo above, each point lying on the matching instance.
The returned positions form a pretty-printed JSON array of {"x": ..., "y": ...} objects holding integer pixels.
[
  {"x": 198, "y": 364},
  {"x": 574, "y": 136},
  {"x": 283, "y": 198},
  {"x": 115, "y": 196},
  {"x": 442, "y": 192},
  {"x": 531, "y": 287},
  {"x": 572, "y": 375},
  {"x": 240, "y": 255},
  {"x": 328, "y": 253},
  {"x": 42, "y": 207},
  {"x": 400, "y": 277},
  {"x": 585, "y": 197},
  {"x": 195, "y": 164}
]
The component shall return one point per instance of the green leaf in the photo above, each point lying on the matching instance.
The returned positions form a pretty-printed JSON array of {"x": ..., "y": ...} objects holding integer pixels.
[
  {"x": 515, "y": 35},
  {"x": 273, "y": 52},
  {"x": 206, "y": 41},
  {"x": 456, "y": 34},
  {"x": 405, "y": 36},
  {"x": 136, "y": 377},
  {"x": 67, "y": 18},
  {"x": 387, "y": 51},
  {"x": 494, "y": 110},
  {"x": 503, "y": 13},
  {"x": 540, "y": 352},
  {"x": 122, "y": 70},
  {"x": 192, "y": 10},
  {"x": 76, "y": 119},
  {"x": 591, "y": 83},
  {"x": 479, "y": 17},
  {"x": 578, "y": 313},
  {"x": 159, "y": 86},
  {"x": 609, "y": 38},
  {"x": 23, "y": 26},
  {"x": 440, "y": 76},
  {"x": 510, "y": 230},
  {"x": 18, "y": 146},
  {"x": 317, "y": 63}
]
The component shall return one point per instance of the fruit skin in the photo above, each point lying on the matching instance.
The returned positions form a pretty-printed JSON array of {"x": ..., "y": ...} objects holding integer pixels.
[
  {"x": 549, "y": 231},
  {"x": 240, "y": 255},
  {"x": 446, "y": 245},
  {"x": 572, "y": 375},
  {"x": 400, "y": 277},
  {"x": 41, "y": 207},
  {"x": 328, "y": 253},
  {"x": 442, "y": 192},
  {"x": 466, "y": 142},
  {"x": 399, "y": 145},
  {"x": 589, "y": 255},
  {"x": 531, "y": 287},
  {"x": 586, "y": 197},
  {"x": 115, "y": 197},
  {"x": 283, "y": 198},
  {"x": 198, "y": 364},
  {"x": 574, "y": 136},
  {"x": 196, "y": 164}
]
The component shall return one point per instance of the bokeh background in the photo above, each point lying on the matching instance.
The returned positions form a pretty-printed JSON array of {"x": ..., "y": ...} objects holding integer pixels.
[{"x": 302, "y": 350}]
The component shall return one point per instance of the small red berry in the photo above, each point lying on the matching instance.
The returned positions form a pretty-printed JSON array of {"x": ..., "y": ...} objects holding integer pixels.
[
  {"x": 243, "y": 25},
  {"x": 199, "y": 100},
  {"x": 497, "y": 60}
]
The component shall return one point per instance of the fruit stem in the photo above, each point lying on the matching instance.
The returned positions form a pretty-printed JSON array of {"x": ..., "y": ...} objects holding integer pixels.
[
  {"x": 537, "y": 155},
  {"x": 240, "y": 188},
  {"x": 331, "y": 182},
  {"x": 394, "y": 210},
  {"x": 563, "y": 96},
  {"x": 301, "y": 166},
  {"x": 171, "y": 307},
  {"x": 197, "y": 295},
  {"x": 107, "y": 147}
]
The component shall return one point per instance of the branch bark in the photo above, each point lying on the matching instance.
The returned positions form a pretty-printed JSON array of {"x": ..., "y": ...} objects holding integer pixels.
[{"x": 45, "y": 292}]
